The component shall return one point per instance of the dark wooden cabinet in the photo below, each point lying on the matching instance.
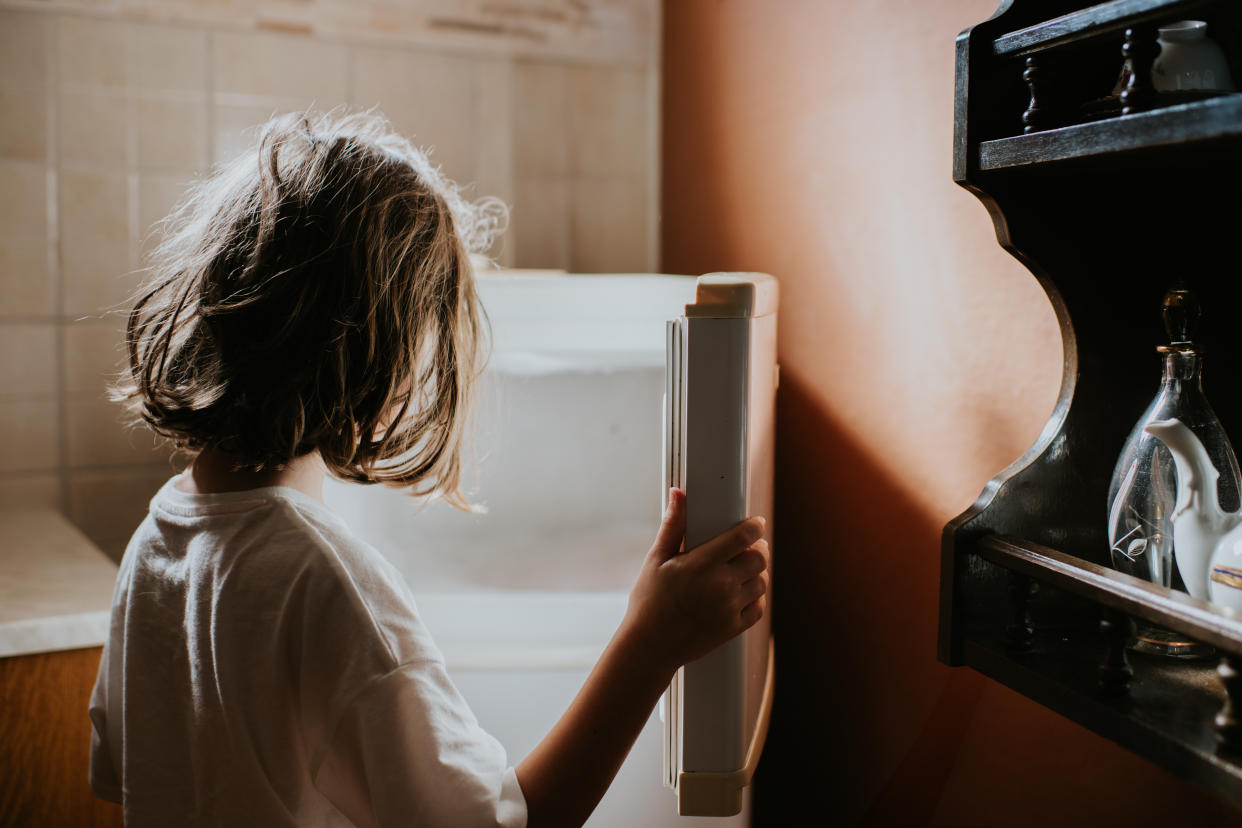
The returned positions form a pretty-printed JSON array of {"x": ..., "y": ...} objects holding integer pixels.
[
  {"x": 1108, "y": 199},
  {"x": 46, "y": 736}
]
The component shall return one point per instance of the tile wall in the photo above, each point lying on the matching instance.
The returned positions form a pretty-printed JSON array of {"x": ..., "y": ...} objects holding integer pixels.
[{"x": 103, "y": 120}]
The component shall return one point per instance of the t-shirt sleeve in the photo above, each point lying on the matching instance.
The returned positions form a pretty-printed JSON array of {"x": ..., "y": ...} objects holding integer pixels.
[
  {"x": 408, "y": 751},
  {"x": 102, "y": 775}
]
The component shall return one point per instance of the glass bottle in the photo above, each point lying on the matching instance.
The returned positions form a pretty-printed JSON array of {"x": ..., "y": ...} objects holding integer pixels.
[{"x": 1144, "y": 485}]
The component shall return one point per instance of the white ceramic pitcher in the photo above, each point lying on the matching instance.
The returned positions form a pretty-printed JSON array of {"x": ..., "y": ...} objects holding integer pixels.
[{"x": 1207, "y": 540}]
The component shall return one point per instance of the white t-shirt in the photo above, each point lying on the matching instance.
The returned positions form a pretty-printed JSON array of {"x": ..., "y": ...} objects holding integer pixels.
[{"x": 268, "y": 668}]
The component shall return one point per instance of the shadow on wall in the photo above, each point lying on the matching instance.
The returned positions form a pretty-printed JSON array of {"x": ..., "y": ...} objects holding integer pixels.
[
  {"x": 853, "y": 615},
  {"x": 868, "y": 728}
]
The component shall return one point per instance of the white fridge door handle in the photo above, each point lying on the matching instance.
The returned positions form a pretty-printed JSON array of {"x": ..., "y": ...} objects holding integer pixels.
[{"x": 720, "y": 794}]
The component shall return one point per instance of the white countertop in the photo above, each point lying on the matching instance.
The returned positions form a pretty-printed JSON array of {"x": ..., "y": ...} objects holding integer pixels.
[{"x": 55, "y": 585}]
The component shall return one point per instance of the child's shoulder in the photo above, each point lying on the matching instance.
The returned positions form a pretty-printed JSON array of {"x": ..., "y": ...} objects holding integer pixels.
[
  {"x": 265, "y": 523},
  {"x": 289, "y": 548},
  {"x": 349, "y": 576}
]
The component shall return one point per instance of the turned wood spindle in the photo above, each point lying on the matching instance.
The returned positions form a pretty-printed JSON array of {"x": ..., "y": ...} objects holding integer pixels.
[
  {"x": 1139, "y": 50},
  {"x": 1035, "y": 118},
  {"x": 1020, "y": 632},
  {"x": 1116, "y": 672},
  {"x": 1228, "y": 725}
]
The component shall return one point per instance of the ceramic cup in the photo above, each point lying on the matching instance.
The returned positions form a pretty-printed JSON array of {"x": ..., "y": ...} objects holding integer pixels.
[{"x": 1188, "y": 60}]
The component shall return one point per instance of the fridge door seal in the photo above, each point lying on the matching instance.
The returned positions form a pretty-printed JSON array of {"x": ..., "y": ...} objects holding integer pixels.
[{"x": 674, "y": 475}]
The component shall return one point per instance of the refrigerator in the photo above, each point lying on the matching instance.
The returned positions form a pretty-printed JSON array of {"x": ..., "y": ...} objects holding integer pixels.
[
  {"x": 721, "y": 376},
  {"x": 600, "y": 391}
]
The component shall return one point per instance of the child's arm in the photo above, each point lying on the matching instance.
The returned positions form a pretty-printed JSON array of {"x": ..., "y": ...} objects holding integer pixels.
[{"x": 682, "y": 607}]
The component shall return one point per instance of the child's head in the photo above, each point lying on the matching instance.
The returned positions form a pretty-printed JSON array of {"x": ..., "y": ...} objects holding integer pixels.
[{"x": 316, "y": 295}]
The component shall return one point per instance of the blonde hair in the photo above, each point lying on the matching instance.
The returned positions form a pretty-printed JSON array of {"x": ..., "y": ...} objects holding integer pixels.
[{"x": 316, "y": 294}]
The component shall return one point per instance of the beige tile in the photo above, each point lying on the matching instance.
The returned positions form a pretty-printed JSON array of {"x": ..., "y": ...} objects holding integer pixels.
[
  {"x": 93, "y": 205},
  {"x": 27, "y": 358},
  {"x": 23, "y": 121},
  {"x": 279, "y": 66},
  {"x": 493, "y": 144},
  {"x": 504, "y": 250},
  {"x": 23, "y": 39},
  {"x": 609, "y": 221},
  {"x": 172, "y": 133},
  {"x": 541, "y": 119},
  {"x": 236, "y": 128},
  {"x": 23, "y": 199},
  {"x": 168, "y": 58},
  {"x": 382, "y": 77},
  {"x": 97, "y": 276},
  {"x": 92, "y": 52},
  {"x": 97, "y": 268},
  {"x": 108, "y": 505},
  {"x": 29, "y": 426},
  {"x": 92, "y": 127},
  {"x": 94, "y": 354},
  {"x": 25, "y": 284},
  {"x": 30, "y": 490},
  {"x": 157, "y": 196},
  {"x": 540, "y": 223},
  {"x": 97, "y": 435},
  {"x": 609, "y": 120},
  {"x": 493, "y": 162},
  {"x": 428, "y": 97}
]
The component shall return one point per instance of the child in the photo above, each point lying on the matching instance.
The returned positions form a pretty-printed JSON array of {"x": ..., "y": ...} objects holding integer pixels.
[{"x": 311, "y": 310}]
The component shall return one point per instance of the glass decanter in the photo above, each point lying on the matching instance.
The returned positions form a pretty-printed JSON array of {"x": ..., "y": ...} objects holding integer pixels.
[{"x": 1144, "y": 485}]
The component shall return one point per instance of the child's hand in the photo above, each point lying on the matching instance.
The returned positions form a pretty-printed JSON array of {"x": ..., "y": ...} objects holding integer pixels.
[{"x": 686, "y": 604}]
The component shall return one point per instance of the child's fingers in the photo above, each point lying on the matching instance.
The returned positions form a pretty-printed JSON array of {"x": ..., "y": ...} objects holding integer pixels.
[
  {"x": 752, "y": 612},
  {"x": 730, "y": 542},
  {"x": 672, "y": 527},
  {"x": 753, "y": 589},
  {"x": 763, "y": 547},
  {"x": 753, "y": 560}
]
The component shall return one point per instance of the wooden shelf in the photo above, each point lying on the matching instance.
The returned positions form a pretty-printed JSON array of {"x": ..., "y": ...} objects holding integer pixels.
[
  {"x": 1168, "y": 713},
  {"x": 1198, "y": 122},
  {"x": 1166, "y": 717},
  {"x": 1196, "y": 619},
  {"x": 1086, "y": 24},
  {"x": 1105, "y": 212}
]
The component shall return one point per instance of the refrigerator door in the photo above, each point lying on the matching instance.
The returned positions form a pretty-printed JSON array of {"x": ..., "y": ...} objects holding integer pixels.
[{"x": 719, "y": 409}]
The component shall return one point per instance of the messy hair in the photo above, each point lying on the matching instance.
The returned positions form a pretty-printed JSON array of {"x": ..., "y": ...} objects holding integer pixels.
[{"x": 316, "y": 294}]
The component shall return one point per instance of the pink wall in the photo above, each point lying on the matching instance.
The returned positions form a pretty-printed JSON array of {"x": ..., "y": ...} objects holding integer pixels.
[{"x": 811, "y": 139}]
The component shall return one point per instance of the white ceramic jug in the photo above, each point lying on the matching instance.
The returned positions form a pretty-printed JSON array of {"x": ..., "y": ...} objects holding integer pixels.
[
  {"x": 1189, "y": 60},
  {"x": 1207, "y": 540}
]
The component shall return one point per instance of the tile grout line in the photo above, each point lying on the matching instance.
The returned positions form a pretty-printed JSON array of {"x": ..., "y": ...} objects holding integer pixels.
[
  {"x": 130, "y": 102},
  {"x": 351, "y": 92},
  {"x": 51, "y": 44},
  {"x": 209, "y": 89}
]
